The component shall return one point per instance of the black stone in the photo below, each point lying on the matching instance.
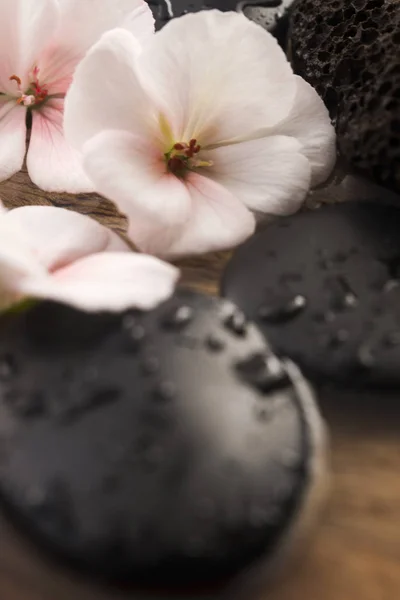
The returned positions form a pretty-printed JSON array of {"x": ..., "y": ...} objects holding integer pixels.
[
  {"x": 349, "y": 51},
  {"x": 272, "y": 15},
  {"x": 166, "y": 464},
  {"x": 345, "y": 261}
]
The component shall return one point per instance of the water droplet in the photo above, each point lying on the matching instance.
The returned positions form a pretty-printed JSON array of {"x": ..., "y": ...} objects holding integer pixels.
[
  {"x": 282, "y": 314},
  {"x": 8, "y": 367},
  {"x": 365, "y": 357},
  {"x": 390, "y": 285},
  {"x": 165, "y": 391},
  {"x": 393, "y": 339},
  {"x": 263, "y": 413},
  {"x": 83, "y": 402},
  {"x": 150, "y": 365},
  {"x": 52, "y": 506},
  {"x": 265, "y": 373},
  {"x": 236, "y": 322},
  {"x": 343, "y": 296},
  {"x": 179, "y": 318},
  {"x": 215, "y": 343},
  {"x": 339, "y": 337}
]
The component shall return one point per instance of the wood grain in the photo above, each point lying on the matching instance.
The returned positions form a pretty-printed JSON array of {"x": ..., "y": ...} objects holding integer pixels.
[{"x": 355, "y": 551}]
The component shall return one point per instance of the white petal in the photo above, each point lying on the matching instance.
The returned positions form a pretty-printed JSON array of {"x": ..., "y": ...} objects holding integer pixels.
[
  {"x": 58, "y": 236},
  {"x": 309, "y": 122},
  {"x": 269, "y": 175},
  {"x": 25, "y": 28},
  {"x": 12, "y": 138},
  {"x": 82, "y": 23},
  {"x": 106, "y": 92},
  {"x": 16, "y": 261},
  {"x": 109, "y": 282},
  {"x": 53, "y": 164},
  {"x": 218, "y": 220},
  {"x": 131, "y": 172},
  {"x": 217, "y": 76}
]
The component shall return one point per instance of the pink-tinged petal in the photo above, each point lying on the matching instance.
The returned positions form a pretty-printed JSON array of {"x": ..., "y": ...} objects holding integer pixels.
[
  {"x": 53, "y": 164},
  {"x": 106, "y": 92},
  {"x": 269, "y": 175},
  {"x": 109, "y": 282},
  {"x": 58, "y": 236},
  {"x": 82, "y": 23},
  {"x": 309, "y": 122},
  {"x": 12, "y": 138},
  {"x": 218, "y": 220},
  {"x": 131, "y": 172},
  {"x": 217, "y": 76},
  {"x": 26, "y": 27},
  {"x": 16, "y": 262}
]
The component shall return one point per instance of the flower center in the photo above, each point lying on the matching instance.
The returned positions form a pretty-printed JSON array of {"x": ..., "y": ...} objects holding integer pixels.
[
  {"x": 35, "y": 94},
  {"x": 183, "y": 157}
]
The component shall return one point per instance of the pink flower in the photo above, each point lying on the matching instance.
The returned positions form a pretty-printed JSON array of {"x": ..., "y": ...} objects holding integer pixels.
[
  {"x": 204, "y": 127},
  {"x": 41, "y": 43},
  {"x": 56, "y": 254}
]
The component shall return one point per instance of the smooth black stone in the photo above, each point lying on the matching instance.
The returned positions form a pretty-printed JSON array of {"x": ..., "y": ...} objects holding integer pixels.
[
  {"x": 345, "y": 261},
  {"x": 272, "y": 15},
  {"x": 166, "y": 464}
]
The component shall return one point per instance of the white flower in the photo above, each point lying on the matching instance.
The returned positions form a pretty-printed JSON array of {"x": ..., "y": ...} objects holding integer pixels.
[
  {"x": 203, "y": 125},
  {"x": 41, "y": 43},
  {"x": 56, "y": 254}
]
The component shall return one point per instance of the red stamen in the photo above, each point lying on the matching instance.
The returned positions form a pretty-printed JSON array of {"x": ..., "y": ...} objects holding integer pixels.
[
  {"x": 175, "y": 164},
  {"x": 179, "y": 146},
  {"x": 197, "y": 149}
]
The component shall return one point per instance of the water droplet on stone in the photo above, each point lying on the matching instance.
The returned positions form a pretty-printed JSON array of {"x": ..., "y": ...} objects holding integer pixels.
[
  {"x": 165, "y": 391},
  {"x": 263, "y": 413},
  {"x": 215, "y": 343},
  {"x": 84, "y": 402},
  {"x": 365, "y": 357},
  {"x": 343, "y": 296},
  {"x": 178, "y": 318},
  {"x": 236, "y": 322},
  {"x": 391, "y": 285},
  {"x": 339, "y": 337},
  {"x": 285, "y": 312},
  {"x": 264, "y": 373},
  {"x": 150, "y": 365},
  {"x": 8, "y": 367}
]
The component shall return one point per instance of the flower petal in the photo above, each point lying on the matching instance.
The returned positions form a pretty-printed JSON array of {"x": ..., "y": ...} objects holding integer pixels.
[
  {"x": 270, "y": 175},
  {"x": 12, "y": 138},
  {"x": 217, "y": 76},
  {"x": 53, "y": 165},
  {"x": 218, "y": 220},
  {"x": 309, "y": 122},
  {"x": 109, "y": 282},
  {"x": 25, "y": 28},
  {"x": 131, "y": 172},
  {"x": 58, "y": 237},
  {"x": 82, "y": 23},
  {"x": 106, "y": 92},
  {"x": 16, "y": 261}
]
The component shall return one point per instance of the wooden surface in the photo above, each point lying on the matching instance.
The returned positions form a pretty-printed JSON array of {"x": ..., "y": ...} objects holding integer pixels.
[{"x": 355, "y": 551}]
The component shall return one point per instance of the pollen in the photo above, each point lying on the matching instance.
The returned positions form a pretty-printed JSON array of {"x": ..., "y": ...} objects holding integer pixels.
[
  {"x": 36, "y": 92},
  {"x": 183, "y": 156}
]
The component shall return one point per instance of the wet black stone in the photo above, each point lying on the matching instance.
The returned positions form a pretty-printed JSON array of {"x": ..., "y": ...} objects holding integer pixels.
[
  {"x": 272, "y": 15},
  {"x": 344, "y": 260},
  {"x": 150, "y": 474}
]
